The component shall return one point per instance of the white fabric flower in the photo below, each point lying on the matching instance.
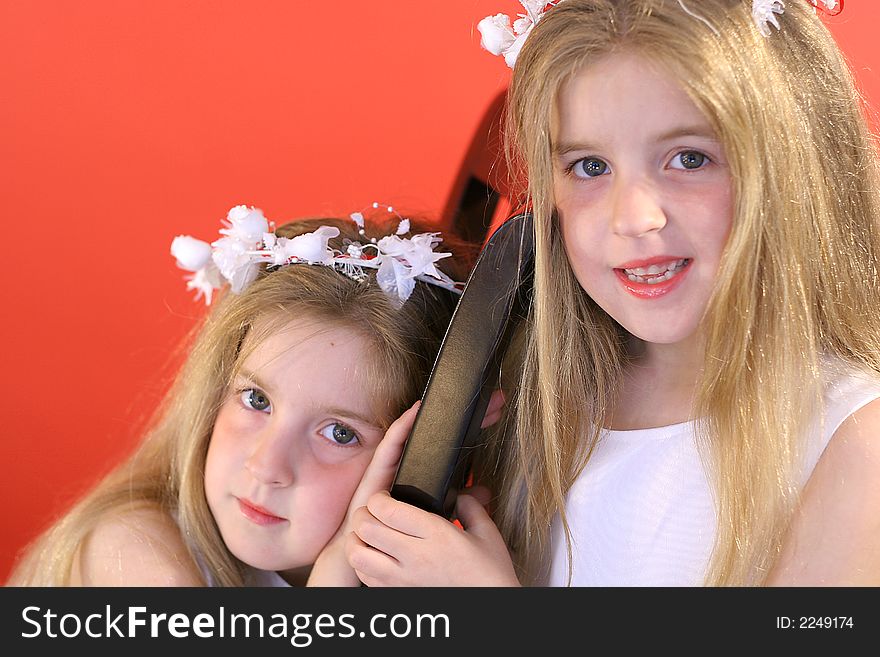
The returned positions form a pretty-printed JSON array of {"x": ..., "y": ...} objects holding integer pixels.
[
  {"x": 248, "y": 242},
  {"x": 421, "y": 257},
  {"x": 395, "y": 279},
  {"x": 235, "y": 262},
  {"x": 764, "y": 14},
  {"x": 512, "y": 53},
  {"x": 246, "y": 224},
  {"x": 496, "y": 35},
  {"x": 534, "y": 8},
  {"x": 358, "y": 218},
  {"x": 273, "y": 246},
  {"x": 204, "y": 282},
  {"x": 418, "y": 253},
  {"x": 311, "y": 247},
  {"x": 830, "y": 5},
  {"x": 191, "y": 254}
]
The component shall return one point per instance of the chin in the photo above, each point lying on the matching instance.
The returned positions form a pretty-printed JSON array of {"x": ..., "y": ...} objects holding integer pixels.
[
  {"x": 261, "y": 561},
  {"x": 275, "y": 560},
  {"x": 658, "y": 333}
]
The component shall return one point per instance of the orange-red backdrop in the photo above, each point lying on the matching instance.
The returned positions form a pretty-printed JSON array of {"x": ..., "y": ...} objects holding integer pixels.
[{"x": 126, "y": 122}]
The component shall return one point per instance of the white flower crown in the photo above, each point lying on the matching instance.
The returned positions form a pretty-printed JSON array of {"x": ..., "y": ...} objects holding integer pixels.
[
  {"x": 499, "y": 38},
  {"x": 250, "y": 241}
]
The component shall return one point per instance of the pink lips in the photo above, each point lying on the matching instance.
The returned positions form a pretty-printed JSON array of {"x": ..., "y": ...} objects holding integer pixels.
[
  {"x": 652, "y": 290},
  {"x": 257, "y": 514}
]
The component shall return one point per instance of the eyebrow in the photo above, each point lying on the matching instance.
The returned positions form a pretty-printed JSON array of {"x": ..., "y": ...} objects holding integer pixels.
[
  {"x": 333, "y": 410},
  {"x": 704, "y": 132},
  {"x": 346, "y": 413},
  {"x": 251, "y": 378}
]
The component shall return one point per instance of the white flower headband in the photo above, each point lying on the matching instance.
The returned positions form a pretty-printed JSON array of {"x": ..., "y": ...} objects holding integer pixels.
[
  {"x": 499, "y": 38},
  {"x": 250, "y": 241}
]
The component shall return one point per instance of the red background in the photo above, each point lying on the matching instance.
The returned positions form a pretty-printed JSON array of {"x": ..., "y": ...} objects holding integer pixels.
[{"x": 127, "y": 122}]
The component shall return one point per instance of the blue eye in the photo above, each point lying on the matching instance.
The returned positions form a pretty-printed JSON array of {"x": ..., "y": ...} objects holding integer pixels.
[
  {"x": 589, "y": 167},
  {"x": 688, "y": 160},
  {"x": 339, "y": 434},
  {"x": 255, "y": 399}
]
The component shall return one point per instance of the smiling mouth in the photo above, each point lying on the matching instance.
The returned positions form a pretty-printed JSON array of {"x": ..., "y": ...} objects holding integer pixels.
[
  {"x": 655, "y": 280},
  {"x": 655, "y": 274},
  {"x": 257, "y": 514}
]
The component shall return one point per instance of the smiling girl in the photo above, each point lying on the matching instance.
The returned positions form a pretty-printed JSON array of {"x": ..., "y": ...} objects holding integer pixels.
[
  {"x": 325, "y": 337},
  {"x": 697, "y": 394}
]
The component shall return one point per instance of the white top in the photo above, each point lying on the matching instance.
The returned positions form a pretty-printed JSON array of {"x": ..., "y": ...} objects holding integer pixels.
[{"x": 642, "y": 513}]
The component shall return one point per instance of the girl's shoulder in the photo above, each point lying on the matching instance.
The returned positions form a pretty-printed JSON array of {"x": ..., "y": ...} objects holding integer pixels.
[
  {"x": 847, "y": 388},
  {"x": 852, "y": 424},
  {"x": 834, "y": 538},
  {"x": 136, "y": 546},
  {"x": 847, "y": 392}
]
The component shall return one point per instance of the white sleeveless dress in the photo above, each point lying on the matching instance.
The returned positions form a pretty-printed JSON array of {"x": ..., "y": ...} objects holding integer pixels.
[{"x": 642, "y": 514}]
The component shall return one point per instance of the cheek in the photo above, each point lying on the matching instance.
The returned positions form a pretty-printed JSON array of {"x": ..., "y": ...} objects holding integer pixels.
[
  {"x": 324, "y": 496},
  {"x": 564, "y": 201},
  {"x": 582, "y": 244},
  {"x": 727, "y": 214},
  {"x": 717, "y": 222},
  {"x": 225, "y": 450},
  {"x": 340, "y": 481},
  {"x": 578, "y": 221}
]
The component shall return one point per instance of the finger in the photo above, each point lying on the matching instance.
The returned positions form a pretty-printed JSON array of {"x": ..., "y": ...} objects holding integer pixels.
[
  {"x": 360, "y": 515},
  {"x": 367, "y": 562},
  {"x": 391, "y": 446},
  {"x": 403, "y": 517},
  {"x": 387, "y": 578},
  {"x": 385, "y": 539},
  {"x": 479, "y": 492},
  {"x": 494, "y": 409},
  {"x": 473, "y": 517},
  {"x": 380, "y": 472}
]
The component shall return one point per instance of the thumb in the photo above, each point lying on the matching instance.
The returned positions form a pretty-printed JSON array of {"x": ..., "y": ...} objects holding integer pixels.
[
  {"x": 380, "y": 473},
  {"x": 473, "y": 517},
  {"x": 494, "y": 409},
  {"x": 481, "y": 493}
]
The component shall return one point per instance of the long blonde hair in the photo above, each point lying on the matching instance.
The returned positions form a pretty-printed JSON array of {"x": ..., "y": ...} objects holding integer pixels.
[
  {"x": 167, "y": 471},
  {"x": 799, "y": 276}
]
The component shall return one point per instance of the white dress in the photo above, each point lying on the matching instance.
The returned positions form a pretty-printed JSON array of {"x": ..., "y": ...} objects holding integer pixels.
[{"x": 642, "y": 513}]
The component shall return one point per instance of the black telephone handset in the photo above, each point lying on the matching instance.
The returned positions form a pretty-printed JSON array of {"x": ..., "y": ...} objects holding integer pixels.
[{"x": 436, "y": 458}]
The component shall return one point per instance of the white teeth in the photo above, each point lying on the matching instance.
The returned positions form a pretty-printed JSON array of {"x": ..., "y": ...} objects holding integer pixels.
[{"x": 666, "y": 271}]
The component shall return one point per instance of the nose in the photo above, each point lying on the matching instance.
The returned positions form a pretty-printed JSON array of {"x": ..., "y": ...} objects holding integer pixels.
[
  {"x": 271, "y": 459},
  {"x": 636, "y": 208}
]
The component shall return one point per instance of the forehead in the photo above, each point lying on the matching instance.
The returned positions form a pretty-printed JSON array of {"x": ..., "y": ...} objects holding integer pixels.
[
  {"x": 297, "y": 353},
  {"x": 625, "y": 92},
  {"x": 298, "y": 338}
]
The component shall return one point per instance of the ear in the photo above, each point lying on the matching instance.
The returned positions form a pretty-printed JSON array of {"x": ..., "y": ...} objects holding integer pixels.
[{"x": 494, "y": 409}]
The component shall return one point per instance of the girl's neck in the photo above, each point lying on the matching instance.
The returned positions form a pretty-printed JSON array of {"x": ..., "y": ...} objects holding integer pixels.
[
  {"x": 658, "y": 385},
  {"x": 297, "y": 576}
]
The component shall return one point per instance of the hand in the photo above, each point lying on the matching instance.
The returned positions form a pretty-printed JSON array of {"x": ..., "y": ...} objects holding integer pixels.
[
  {"x": 396, "y": 544},
  {"x": 331, "y": 568},
  {"x": 493, "y": 409}
]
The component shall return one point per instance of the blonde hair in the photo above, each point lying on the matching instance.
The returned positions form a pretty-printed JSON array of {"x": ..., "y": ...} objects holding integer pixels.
[
  {"x": 167, "y": 471},
  {"x": 798, "y": 278}
]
